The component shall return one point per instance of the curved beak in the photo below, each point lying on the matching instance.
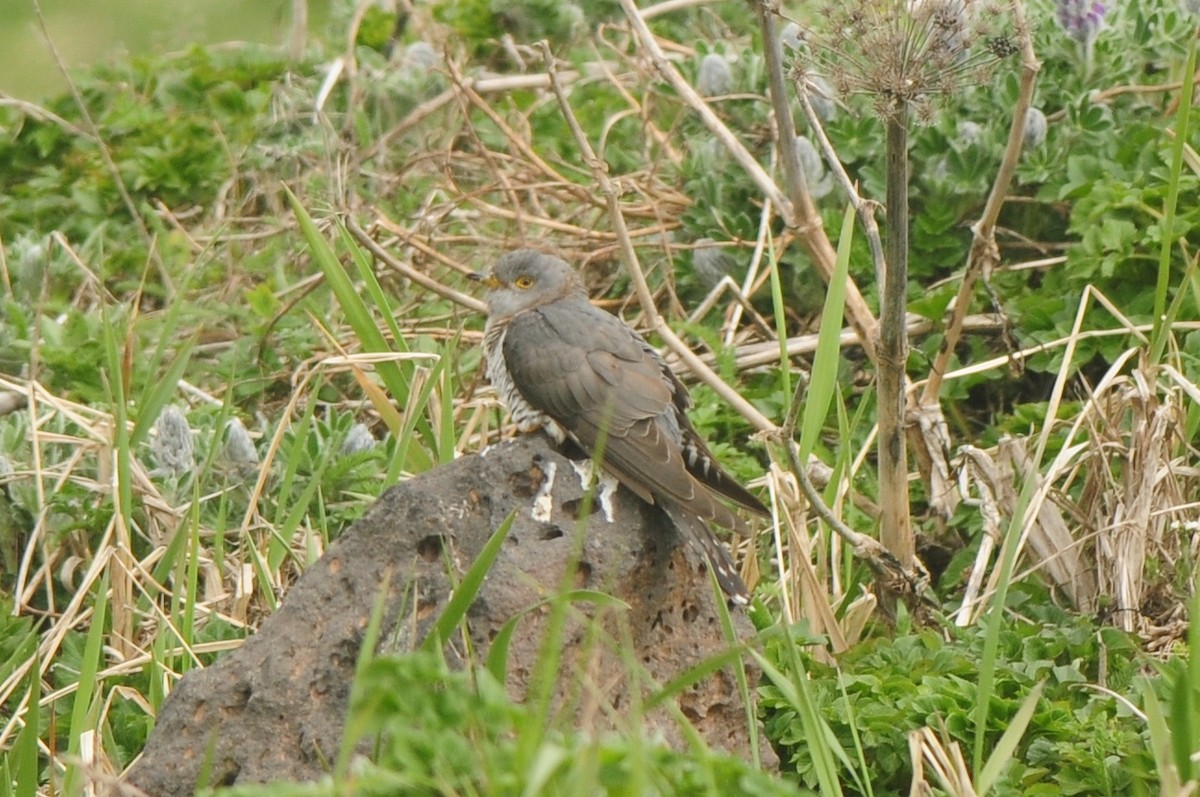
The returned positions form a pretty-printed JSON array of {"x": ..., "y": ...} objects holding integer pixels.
[{"x": 487, "y": 279}]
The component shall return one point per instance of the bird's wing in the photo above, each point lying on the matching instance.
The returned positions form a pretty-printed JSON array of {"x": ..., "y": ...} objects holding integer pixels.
[
  {"x": 697, "y": 458},
  {"x": 593, "y": 375}
]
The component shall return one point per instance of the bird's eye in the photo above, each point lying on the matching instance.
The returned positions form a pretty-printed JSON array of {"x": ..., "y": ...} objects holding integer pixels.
[{"x": 524, "y": 281}]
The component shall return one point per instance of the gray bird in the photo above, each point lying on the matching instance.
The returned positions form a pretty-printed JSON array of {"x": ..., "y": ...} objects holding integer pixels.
[{"x": 579, "y": 373}]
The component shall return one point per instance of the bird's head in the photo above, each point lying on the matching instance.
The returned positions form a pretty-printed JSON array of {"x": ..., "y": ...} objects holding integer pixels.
[{"x": 525, "y": 279}]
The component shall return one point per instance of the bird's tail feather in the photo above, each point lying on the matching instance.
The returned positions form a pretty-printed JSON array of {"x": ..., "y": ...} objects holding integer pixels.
[{"x": 701, "y": 538}]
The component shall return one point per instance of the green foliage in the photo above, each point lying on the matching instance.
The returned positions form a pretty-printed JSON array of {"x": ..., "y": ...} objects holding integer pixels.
[
  {"x": 1080, "y": 741},
  {"x": 173, "y": 130},
  {"x": 440, "y": 731}
]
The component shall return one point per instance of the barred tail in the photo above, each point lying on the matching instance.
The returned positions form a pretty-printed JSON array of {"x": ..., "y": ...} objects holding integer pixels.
[{"x": 700, "y": 537}]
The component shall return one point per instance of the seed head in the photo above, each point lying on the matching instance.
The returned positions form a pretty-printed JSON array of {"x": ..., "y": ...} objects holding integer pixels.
[
  {"x": 239, "y": 449},
  {"x": 711, "y": 262},
  {"x": 907, "y": 54}
]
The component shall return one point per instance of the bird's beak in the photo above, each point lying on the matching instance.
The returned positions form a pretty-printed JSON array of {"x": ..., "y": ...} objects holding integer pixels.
[{"x": 487, "y": 279}]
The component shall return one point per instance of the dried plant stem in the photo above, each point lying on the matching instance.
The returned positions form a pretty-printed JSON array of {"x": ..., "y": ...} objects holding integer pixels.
[
  {"x": 629, "y": 256},
  {"x": 804, "y": 217},
  {"x": 796, "y": 206},
  {"x": 984, "y": 255},
  {"x": 863, "y": 208},
  {"x": 425, "y": 281},
  {"x": 909, "y": 579},
  {"x": 895, "y": 528}
]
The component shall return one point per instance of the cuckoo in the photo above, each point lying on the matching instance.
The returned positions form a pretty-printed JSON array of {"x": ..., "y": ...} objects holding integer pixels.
[{"x": 565, "y": 366}]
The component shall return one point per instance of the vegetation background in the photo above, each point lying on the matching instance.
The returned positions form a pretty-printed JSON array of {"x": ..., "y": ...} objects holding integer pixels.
[{"x": 199, "y": 391}]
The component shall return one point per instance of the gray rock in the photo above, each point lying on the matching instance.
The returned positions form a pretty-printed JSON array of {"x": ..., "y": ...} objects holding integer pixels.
[{"x": 275, "y": 708}]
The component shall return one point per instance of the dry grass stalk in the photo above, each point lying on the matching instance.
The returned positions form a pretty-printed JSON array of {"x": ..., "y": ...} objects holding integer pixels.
[{"x": 945, "y": 761}]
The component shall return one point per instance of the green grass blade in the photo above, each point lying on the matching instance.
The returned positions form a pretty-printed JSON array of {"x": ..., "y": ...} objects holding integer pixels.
[
  {"x": 777, "y": 306},
  {"x": 160, "y": 393},
  {"x": 25, "y": 750},
  {"x": 116, "y": 386},
  {"x": 823, "y": 746},
  {"x": 360, "y": 319},
  {"x": 497, "y": 658},
  {"x": 739, "y": 669},
  {"x": 466, "y": 589},
  {"x": 86, "y": 686},
  {"x": 828, "y": 354},
  {"x": 995, "y": 618},
  {"x": 1158, "y": 338},
  {"x": 356, "y": 725},
  {"x": 1006, "y": 748}
]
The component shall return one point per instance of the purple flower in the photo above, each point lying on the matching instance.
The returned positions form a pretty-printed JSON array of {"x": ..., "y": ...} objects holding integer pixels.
[{"x": 1081, "y": 19}]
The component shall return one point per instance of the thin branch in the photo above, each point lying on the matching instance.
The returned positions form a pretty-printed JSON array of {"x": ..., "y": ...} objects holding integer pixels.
[
  {"x": 887, "y": 568},
  {"x": 863, "y": 208},
  {"x": 804, "y": 217},
  {"x": 425, "y": 281},
  {"x": 985, "y": 255},
  {"x": 713, "y": 122},
  {"x": 629, "y": 256}
]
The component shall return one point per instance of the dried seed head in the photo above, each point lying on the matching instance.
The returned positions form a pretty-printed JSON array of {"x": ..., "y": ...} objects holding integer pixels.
[{"x": 906, "y": 54}]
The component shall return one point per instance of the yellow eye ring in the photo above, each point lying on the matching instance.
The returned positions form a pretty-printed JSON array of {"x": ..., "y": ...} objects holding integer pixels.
[{"x": 523, "y": 281}]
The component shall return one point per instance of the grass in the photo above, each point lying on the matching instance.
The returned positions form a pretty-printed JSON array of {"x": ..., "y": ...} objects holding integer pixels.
[{"x": 287, "y": 276}]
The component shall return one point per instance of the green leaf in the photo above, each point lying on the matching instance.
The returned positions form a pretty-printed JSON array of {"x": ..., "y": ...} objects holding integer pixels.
[
  {"x": 828, "y": 355},
  {"x": 466, "y": 589}
]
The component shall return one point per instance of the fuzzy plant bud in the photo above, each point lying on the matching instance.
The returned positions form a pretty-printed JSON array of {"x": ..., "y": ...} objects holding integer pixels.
[
  {"x": 1081, "y": 19},
  {"x": 969, "y": 133},
  {"x": 239, "y": 449},
  {"x": 820, "y": 96},
  {"x": 711, "y": 262},
  {"x": 715, "y": 77},
  {"x": 820, "y": 182},
  {"x": 422, "y": 57},
  {"x": 792, "y": 36},
  {"x": 172, "y": 446},
  {"x": 1035, "y": 128},
  {"x": 358, "y": 440}
]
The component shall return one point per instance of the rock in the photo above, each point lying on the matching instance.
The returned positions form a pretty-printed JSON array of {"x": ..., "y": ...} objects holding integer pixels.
[{"x": 275, "y": 708}]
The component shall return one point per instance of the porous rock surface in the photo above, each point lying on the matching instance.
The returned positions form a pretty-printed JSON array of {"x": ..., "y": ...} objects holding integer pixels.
[{"x": 275, "y": 708}]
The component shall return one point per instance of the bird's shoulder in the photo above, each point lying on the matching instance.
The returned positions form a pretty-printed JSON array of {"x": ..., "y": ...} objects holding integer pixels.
[{"x": 576, "y": 322}]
